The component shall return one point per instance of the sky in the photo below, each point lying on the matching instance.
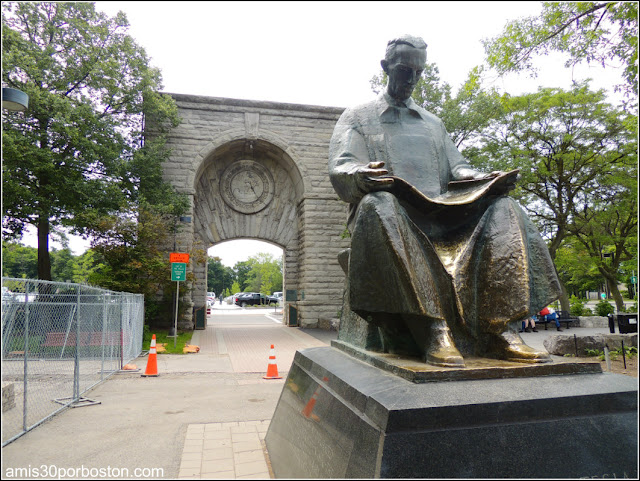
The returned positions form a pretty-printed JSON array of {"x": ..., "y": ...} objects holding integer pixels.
[{"x": 318, "y": 53}]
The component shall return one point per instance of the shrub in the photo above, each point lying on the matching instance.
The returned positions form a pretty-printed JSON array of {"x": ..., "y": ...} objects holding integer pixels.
[
  {"x": 604, "y": 308},
  {"x": 577, "y": 306}
]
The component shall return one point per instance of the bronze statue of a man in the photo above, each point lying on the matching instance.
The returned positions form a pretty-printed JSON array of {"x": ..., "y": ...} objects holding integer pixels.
[{"x": 445, "y": 276}]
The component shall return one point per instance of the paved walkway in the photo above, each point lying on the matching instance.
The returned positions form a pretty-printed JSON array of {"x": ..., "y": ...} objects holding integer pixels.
[
  {"x": 204, "y": 416},
  {"x": 236, "y": 450}
]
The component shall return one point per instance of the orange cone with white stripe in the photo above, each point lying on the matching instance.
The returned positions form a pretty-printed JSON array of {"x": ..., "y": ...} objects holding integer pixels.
[
  {"x": 308, "y": 409},
  {"x": 152, "y": 363},
  {"x": 272, "y": 368}
]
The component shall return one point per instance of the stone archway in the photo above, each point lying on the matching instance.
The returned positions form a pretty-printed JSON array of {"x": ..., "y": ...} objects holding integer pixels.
[
  {"x": 275, "y": 220},
  {"x": 258, "y": 170}
]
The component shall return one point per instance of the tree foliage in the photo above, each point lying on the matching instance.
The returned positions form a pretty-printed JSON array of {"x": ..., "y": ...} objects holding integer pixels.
[
  {"x": 131, "y": 257},
  {"x": 219, "y": 277},
  {"x": 567, "y": 144},
  {"x": 589, "y": 32},
  {"x": 577, "y": 157},
  {"x": 260, "y": 273},
  {"x": 77, "y": 153},
  {"x": 22, "y": 262}
]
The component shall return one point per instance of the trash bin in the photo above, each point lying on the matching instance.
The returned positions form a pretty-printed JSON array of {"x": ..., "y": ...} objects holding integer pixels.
[
  {"x": 200, "y": 318},
  {"x": 627, "y": 323},
  {"x": 293, "y": 316},
  {"x": 612, "y": 324}
]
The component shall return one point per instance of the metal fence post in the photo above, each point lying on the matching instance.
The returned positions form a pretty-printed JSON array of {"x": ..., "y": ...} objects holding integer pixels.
[
  {"x": 26, "y": 355},
  {"x": 121, "y": 333},
  {"x": 104, "y": 320},
  {"x": 38, "y": 325},
  {"x": 76, "y": 363}
]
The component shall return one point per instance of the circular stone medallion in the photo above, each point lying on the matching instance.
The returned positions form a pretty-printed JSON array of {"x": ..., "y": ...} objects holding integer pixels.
[{"x": 247, "y": 186}]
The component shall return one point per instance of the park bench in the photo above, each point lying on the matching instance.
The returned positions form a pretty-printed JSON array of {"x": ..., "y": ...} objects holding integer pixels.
[
  {"x": 564, "y": 317},
  {"x": 57, "y": 339}
]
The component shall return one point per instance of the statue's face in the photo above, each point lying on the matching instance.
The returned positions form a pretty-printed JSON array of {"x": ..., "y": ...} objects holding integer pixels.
[{"x": 404, "y": 70}]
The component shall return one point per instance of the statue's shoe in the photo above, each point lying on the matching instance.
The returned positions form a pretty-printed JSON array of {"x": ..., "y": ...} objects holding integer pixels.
[
  {"x": 509, "y": 346},
  {"x": 442, "y": 350},
  {"x": 446, "y": 356}
]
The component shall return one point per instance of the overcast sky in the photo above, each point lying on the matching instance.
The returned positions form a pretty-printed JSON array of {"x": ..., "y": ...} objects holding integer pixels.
[{"x": 317, "y": 53}]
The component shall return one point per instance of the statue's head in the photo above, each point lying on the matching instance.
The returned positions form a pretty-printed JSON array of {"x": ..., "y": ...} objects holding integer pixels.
[{"x": 403, "y": 63}]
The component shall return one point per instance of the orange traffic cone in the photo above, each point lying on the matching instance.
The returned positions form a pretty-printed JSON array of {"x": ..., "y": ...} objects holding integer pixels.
[
  {"x": 152, "y": 363},
  {"x": 272, "y": 368},
  {"x": 308, "y": 409}
]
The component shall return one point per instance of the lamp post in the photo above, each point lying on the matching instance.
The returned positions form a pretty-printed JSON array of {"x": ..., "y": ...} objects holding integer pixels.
[{"x": 14, "y": 100}]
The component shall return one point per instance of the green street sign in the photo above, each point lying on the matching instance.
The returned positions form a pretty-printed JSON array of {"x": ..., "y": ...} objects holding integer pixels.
[
  {"x": 179, "y": 271},
  {"x": 634, "y": 280}
]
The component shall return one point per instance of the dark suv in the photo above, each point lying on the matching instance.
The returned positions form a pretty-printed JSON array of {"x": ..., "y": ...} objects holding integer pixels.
[{"x": 251, "y": 299}]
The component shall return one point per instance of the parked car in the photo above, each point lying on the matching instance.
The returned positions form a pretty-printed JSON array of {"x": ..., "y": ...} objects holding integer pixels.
[
  {"x": 275, "y": 298},
  {"x": 234, "y": 298},
  {"x": 7, "y": 295},
  {"x": 251, "y": 299}
]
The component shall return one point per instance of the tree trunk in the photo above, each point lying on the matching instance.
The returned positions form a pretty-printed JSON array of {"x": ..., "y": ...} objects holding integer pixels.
[
  {"x": 44, "y": 259},
  {"x": 612, "y": 282},
  {"x": 615, "y": 293},
  {"x": 565, "y": 305}
]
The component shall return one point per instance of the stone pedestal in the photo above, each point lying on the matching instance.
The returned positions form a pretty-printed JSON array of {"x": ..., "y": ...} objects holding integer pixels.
[{"x": 339, "y": 417}]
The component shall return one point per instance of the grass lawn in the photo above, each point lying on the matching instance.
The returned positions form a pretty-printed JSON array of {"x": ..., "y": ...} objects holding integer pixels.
[{"x": 162, "y": 337}]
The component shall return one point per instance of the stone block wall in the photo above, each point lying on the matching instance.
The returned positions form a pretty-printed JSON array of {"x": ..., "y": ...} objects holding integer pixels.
[{"x": 305, "y": 217}]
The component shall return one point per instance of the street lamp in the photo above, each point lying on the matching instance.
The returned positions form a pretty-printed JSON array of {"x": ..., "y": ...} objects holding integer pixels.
[{"x": 14, "y": 99}]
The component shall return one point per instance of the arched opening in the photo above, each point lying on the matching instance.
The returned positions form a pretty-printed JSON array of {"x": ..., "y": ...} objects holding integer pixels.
[
  {"x": 248, "y": 191},
  {"x": 245, "y": 265}
]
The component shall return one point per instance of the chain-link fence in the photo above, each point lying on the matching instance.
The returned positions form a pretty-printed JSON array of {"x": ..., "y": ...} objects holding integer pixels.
[{"x": 58, "y": 341}]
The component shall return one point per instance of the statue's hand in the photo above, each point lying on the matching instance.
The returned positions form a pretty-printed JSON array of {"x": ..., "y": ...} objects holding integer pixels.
[
  {"x": 373, "y": 177},
  {"x": 510, "y": 182},
  {"x": 475, "y": 175}
]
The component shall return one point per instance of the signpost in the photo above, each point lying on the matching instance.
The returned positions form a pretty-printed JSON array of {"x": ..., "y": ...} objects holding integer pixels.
[
  {"x": 178, "y": 257},
  {"x": 178, "y": 273}
]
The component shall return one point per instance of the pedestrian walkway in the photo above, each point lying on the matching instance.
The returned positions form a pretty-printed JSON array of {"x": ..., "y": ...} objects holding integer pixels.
[
  {"x": 236, "y": 450},
  {"x": 233, "y": 450}
]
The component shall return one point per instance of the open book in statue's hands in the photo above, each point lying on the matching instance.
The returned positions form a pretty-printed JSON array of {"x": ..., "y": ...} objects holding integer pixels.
[{"x": 460, "y": 193}]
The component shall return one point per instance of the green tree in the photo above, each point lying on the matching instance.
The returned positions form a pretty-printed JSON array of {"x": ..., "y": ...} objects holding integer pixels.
[
  {"x": 19, "y": 261},
  {"x": 85, "y": 265},
  {"x": 577, "y": 269},
  {"x": 242, "y": 270},
  {"x": 235, "y": 288},
  {"x": 62, "y": 264},
  {"x": 265, "y": 275},
  {"x": 130, "y": 257},
  {"x": 607, "y": 224},
  {"x": 568, "y": 146},
  {"x": 219, "y": 276},
  {"x": 78, "y": 152},
  {"x": 597, "y": 33}
]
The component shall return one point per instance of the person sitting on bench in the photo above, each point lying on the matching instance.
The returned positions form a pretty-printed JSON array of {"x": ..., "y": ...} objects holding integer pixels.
[
  {"x": 551, "y": 314},
  {"x": 529, "y": 321}
]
